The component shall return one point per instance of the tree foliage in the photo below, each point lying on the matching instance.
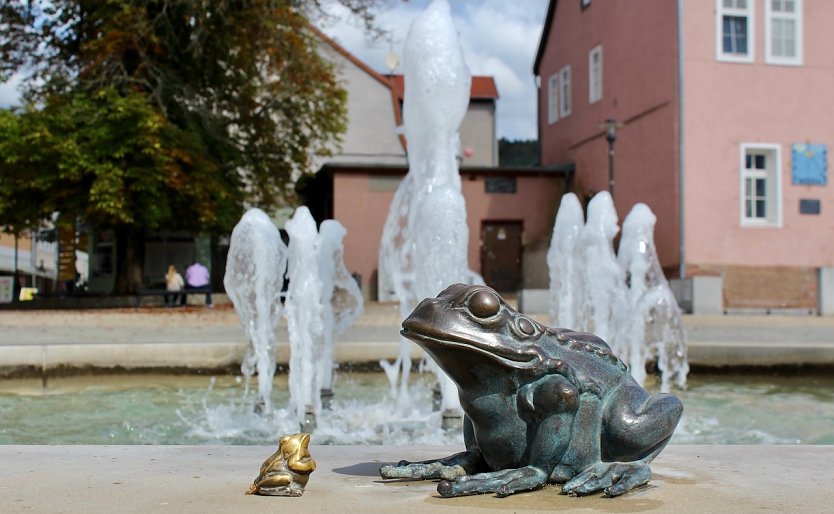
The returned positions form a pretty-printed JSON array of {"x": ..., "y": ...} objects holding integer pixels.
[
  {"x": 142, "y": 114},
  {"x": 518, "y": 152}
]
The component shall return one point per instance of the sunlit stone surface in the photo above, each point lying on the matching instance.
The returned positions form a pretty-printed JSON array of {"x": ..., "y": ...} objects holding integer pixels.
[{"x": 198, "y": 479}]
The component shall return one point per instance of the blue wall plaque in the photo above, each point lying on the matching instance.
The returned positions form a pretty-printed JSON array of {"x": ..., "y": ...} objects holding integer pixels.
[{"x": 809, "y": 164}]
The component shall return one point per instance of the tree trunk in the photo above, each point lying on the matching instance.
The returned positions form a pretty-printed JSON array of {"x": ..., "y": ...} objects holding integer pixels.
[{"x": 130, "y": 260}]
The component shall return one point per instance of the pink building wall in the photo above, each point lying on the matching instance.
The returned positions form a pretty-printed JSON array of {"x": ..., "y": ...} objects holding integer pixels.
[
  {"x": 363, "y": 213},
  {"x": 533, "y": 203},
  {"x": 727, "y": 104},
  {"x": 639, "y": 55}
]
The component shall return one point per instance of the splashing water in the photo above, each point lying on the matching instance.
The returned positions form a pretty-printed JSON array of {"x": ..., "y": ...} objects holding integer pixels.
[
  {"x": 304, "y": 314},
  {"x": 362, "y": 414},
  {"x": 625, "y": 299},
  {"x": 322, "y": 300},
  {"x": 653, "y": 328},
  {"x": 424, "y": 240},
  {"x": 603, "y": 281},
  {"x": 254, "y": 276},
  {"x": 342, "y": 301},
  {"x": 564, "y": 285}
]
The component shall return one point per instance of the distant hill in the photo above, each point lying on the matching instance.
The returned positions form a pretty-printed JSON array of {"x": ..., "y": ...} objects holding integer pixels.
[{"x": 518, "y": 153}]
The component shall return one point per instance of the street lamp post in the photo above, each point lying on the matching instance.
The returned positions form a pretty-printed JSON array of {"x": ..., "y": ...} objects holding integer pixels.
[{"x": 611, "y": 136}]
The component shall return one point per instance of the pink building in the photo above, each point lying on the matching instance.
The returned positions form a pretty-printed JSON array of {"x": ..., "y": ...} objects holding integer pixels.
[{"x": 723, "y": 117}]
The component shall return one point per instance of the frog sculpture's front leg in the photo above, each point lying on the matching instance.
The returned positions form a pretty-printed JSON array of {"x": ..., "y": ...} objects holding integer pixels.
[
  {"x": 464, "y": 463},
  {"x": 502, "y": 482},
  {"x": 547, "y": 407}
]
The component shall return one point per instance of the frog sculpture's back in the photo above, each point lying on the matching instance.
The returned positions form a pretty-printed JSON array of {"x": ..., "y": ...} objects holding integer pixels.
[{"x": 542, "y": 405}]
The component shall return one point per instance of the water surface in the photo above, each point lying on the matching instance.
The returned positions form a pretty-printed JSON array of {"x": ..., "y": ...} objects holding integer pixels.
[{"x": 152, "y": 409}]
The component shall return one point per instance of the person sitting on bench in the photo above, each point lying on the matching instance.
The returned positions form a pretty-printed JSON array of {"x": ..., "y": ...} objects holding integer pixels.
[
  {"x": 197, "y": 277},
  {"x": 174, "y": 285}
]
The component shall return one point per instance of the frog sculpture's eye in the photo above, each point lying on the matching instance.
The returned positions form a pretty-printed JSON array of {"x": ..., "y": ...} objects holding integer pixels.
[
  {"x": 525, "y": 326},
  {"x": 484, "y": 304}
]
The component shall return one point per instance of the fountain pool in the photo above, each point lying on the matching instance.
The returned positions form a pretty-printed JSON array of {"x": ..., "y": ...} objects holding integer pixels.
[{"x": 169, "y": 409}]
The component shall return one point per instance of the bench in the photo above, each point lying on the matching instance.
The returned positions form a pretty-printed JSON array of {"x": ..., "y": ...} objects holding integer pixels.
[{"x": 163, "y": 292}]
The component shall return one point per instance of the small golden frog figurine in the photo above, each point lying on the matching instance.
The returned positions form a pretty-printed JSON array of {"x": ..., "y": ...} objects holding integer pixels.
[{"x": 286, "y": 472}]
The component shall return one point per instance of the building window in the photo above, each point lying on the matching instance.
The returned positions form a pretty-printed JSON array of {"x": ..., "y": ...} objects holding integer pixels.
[
  {"x": 564, "y": 92},
  {"x": 760, "y": 185},
  {"x": 103, "y": 254},
  {"x": 553, "y": 99},
  {"x": 734, "y": 30},
  {"x": 595, "y": 75},
  {"x": 783, "y": 25}
]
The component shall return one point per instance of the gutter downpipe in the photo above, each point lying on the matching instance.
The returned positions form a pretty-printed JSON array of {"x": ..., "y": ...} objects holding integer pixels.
[
  {"x": 537, "y": 81},
  {"x": 681, "y": 147}
]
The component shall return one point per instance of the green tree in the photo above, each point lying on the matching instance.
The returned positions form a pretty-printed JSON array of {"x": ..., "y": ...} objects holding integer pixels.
[{"x": 142, "y": 114}]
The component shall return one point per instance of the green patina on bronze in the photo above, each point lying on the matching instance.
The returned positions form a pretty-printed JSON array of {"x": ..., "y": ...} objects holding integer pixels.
[{"x": 541, "y": 405}]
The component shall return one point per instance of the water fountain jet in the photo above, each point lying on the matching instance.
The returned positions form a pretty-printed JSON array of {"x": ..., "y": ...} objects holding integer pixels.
[
  {"x": 341, "y": 299},
  {"x": 424, "y": 241},
  {"x": 254, "y": 277},
  {"x": 651, "y": 326},
  {"x": 564, "y": 278},
  {"x": 303, "y": 307},
  {"x": 623, "y": 298}
]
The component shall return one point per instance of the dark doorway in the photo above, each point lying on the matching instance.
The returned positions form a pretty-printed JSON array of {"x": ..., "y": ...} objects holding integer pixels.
[{"x": 501, "y": 254}]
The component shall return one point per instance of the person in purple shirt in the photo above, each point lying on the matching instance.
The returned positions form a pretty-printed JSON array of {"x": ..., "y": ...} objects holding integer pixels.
[{"x": 197, "y": 277}]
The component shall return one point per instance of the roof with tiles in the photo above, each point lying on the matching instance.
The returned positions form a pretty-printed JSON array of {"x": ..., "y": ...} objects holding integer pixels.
[{"x": 483, "y": 87}]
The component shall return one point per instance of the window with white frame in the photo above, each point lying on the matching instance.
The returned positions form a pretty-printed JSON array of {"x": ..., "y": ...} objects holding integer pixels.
[
  {"x": 553, "y": 99},
  {"x": 760, "y": 185},
  {"x": 783, "y": 27},
  {"x": 734, "y": 30},
  {"x": 564, "y": 92},
  {"x": 595, "y": 75}
]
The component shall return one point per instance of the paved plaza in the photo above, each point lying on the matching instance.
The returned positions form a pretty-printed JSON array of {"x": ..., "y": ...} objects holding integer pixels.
[
  {"x": 198, "y": 337},
  {"x": 186, "y": 479}
]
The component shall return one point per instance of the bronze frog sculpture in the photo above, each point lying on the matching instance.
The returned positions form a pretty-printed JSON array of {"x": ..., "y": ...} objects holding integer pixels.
[
  {"x": 541, "y": 405},
  {"x": 287, "y": 471}
]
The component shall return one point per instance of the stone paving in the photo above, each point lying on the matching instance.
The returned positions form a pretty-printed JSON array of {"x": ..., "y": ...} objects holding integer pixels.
[
  {"x": 198, "y": 337},
  {"x": 198, "y": 479}
]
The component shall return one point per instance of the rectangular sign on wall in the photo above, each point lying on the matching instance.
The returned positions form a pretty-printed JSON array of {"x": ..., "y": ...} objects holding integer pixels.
[
  {"x": 809, "y": 206},
  {"x": 809, "y": 164}
]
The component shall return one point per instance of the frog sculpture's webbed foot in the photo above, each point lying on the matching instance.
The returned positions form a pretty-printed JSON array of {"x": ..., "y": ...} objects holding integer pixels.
[
  {"x": 503, "y": 483},
  {"x": 448, "y": 468},
  {"x": 612, "y": 478}
]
